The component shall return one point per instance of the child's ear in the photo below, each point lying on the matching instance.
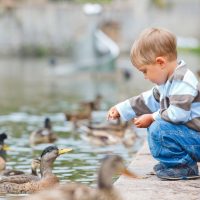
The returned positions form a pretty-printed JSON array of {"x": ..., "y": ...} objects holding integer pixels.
[{"x": 161, "y": 61}]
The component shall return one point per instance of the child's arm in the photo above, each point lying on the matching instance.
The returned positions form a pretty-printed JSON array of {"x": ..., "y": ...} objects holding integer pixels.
[{"x": 145, "y": 103}]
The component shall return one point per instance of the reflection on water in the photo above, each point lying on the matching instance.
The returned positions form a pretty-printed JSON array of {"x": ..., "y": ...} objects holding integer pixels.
[{"x": 32, "y": 90}]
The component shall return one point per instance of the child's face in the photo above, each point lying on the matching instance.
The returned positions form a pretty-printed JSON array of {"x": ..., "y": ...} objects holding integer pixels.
[{"x": 155, "y": 73}]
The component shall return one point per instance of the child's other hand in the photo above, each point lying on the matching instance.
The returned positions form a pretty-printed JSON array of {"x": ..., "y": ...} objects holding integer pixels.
[
  {"x": 143, "y": 121},
  {"x": 113, "y": 113}
]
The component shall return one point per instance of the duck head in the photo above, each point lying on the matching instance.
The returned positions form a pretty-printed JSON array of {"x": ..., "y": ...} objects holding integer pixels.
[
  {"x": 3, "y": 147},
  {"x": 48, "y": 157},
  {"x": 47, "y": 123},
  {"x": 112, "y": 165},
  {"x": 52, "y": 152}
]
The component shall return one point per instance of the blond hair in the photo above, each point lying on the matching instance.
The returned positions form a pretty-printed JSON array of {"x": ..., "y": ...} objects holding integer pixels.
[{"x": 151, "y": 43}]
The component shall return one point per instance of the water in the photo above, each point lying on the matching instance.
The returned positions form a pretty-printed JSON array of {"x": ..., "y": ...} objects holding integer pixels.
[{"x": 33, "y": 89}]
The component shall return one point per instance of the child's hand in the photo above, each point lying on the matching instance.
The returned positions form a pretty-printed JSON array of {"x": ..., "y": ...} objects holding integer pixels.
[
  {"x": 113, "y": 113},
  {"x": 143, "y": 121}
]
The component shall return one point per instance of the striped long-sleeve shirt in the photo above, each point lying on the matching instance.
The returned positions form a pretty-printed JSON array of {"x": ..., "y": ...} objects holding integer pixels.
[{"x": 176, "y": 101}]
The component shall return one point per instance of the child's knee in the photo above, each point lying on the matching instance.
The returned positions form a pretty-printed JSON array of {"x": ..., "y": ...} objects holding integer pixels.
[
  {"x": 159, "y": 125},
  {"x": 154, "y": 131},
  {"x": 154, "y": 127},
  {"x": 158, "y": 129}
]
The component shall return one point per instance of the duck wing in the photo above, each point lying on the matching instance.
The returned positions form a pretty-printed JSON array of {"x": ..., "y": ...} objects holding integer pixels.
[
  {"x": 28, "y": 187},
  {"x": 72, "y": 191},
  {"x": 11, "y": 172},
  {"x": 19, "y": 179}
]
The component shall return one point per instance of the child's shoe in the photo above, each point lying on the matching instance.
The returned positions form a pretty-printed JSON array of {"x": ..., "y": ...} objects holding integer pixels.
[
  {"x": 159, "y": 166},
  {"x": 179, "y": 173}
]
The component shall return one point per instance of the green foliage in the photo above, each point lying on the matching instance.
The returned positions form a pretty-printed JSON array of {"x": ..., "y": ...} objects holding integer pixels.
[
  {"x": 40, "y": 51},
  {"x": 37, "y": 51},
  {"x": 162, "y": 4},
  {"x": 191, "y": 50}
]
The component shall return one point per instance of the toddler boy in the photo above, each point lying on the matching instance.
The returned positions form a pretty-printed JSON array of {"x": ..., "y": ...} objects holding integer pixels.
[{"x": 170, "y": 110}]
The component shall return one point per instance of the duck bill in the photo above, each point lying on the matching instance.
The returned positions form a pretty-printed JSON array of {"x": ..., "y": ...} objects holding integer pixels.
[
  {"x": 5, "y": 147},
  {"x": 126, "y": 172},
  {"x": 63, "y": 151}
]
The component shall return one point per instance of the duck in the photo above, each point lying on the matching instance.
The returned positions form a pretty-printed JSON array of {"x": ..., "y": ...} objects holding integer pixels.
[
  {"x": 115, "y": 127},
  {"x": 77, "y": 117},
  {"x": 130, "y": 137},
  {"x": 3, "y": 149},
  {"x": 84, "y": 112},
  {"x": 98, "y": 137},
  {"x": 12, "y": 177},
  {"x": 92, "y": 105},
  {"x": 48, "y": 179},
  {"x": 111, "y": 165},
  {"x": 43, "y": 135},
  {"x": 103, "y": 134}
]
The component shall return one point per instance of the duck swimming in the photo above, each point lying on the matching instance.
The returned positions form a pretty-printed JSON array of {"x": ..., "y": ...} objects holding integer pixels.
[
  {"x": 48, "y": 179},
  {"x": 22, "y": 178},
  {"x": 92, "y": 105},
  {"x": 104, "y": 133},
  {"x": 43, "y": 135},
  {"x": 84, "y": 112},
  {"x": 3, "y": 149},
  {"x": 110, "y": 166}
]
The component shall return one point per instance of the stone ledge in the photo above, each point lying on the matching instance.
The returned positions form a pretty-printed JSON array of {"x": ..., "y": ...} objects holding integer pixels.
[{"x": 152, "y": 188}]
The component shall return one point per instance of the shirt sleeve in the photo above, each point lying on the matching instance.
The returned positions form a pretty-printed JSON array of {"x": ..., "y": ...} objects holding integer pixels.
[
  {"x": 145, "y": 103},
  {"x": 181, "y": 96}
]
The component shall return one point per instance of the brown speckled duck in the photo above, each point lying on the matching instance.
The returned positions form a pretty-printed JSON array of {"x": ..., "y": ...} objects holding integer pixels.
[
  {"x": 43, "y": 135},
  {"x": 48, "y": 179},
  {"x": 9, "y": 176},
  {"x": 103, "y": 134},
  {"x": 84, "y": 112},
  {"x": 105, "y": 191},
  {"x": 92, "y": 105}
]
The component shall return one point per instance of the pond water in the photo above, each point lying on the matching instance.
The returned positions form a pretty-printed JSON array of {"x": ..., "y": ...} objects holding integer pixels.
[{"x": 32, "y": 89}]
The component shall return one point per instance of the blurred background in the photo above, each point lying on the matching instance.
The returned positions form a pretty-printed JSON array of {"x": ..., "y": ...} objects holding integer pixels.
[{"x": 58, "y": 56}]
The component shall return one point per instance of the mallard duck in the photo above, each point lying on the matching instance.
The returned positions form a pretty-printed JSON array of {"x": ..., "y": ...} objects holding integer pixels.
[
  {"x": 77, "y": 116},
  {"x": 84, "y": 112},
  {"x": 48, "y": 179},
  {"x": 98, "y": 137},
  {"x": 92, "y": 105},
  {"x": 22, "y": 178},
  {"x": 129, "y": 138},
  {"x": 116, "y": 128},
  {"x": 110, "y": 166},
  {"x": 43, "y": 135},
  {"x": 3, "y": 149},
  {"x": 104, "y": 133}
]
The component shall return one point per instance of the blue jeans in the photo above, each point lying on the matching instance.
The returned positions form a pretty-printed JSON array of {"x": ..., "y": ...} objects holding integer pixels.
[{"x": 173, "y": 144}]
